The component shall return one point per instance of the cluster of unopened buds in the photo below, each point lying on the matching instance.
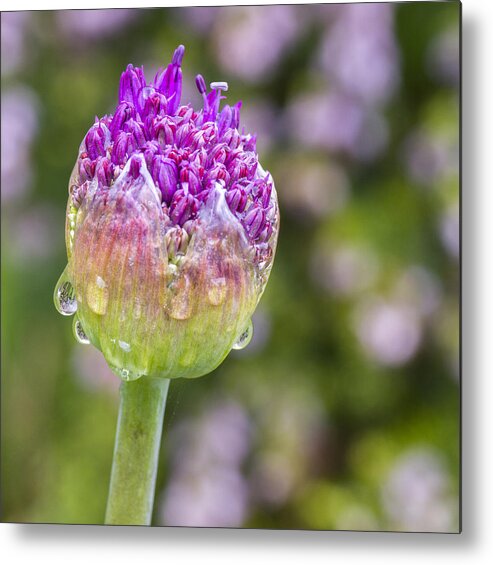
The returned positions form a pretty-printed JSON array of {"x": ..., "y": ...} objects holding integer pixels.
[{"x": 171, "y": 230}]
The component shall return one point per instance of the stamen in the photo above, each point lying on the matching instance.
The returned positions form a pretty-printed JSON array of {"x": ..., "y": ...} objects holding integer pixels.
[
  {"x": 219, "y": 86},
  {"x": 200, "y": 82}
]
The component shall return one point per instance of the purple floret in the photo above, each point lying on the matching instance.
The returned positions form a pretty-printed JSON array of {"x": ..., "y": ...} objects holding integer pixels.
[{"x": 187, "y": 152}]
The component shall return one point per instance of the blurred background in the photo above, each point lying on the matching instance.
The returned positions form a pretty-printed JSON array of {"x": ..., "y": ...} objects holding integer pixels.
[{"x": 343, "y": 412}]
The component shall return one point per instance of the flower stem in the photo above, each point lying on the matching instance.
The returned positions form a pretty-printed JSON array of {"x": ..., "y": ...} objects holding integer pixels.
[{"x": 136, "y": 453}]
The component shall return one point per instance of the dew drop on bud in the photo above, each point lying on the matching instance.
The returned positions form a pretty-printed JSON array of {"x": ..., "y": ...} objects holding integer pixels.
[
  {"x": 125, "y": 374},
  {"x": 124, "y": 345},
  {"x": 97, "y": 296},
  {"x": 79, "y": 333},
  {"x": 245, "y": 337},
  {"x": 180, "y": 307},
  {"x": 217, "y": 291},
  {"x": 64, "y": 297}
]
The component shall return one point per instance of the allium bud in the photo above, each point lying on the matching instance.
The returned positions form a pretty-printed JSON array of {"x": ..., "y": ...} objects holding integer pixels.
[{"x": 171, "y": 230}]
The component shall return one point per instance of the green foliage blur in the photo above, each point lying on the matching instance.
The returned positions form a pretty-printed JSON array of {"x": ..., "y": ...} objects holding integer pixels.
[{"x": 343, "y": 413}]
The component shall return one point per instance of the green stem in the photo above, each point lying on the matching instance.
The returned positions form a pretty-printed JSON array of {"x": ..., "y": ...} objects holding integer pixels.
[{"x": 135, "y": 458}]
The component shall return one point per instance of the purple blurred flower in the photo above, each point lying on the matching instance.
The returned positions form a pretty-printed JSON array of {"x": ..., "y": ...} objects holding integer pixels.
[
  {"x": 426, "y": 158},
  {"x": 417, "y": 496},
  {"x": 207, "y": 487},
  {"x": 201, "y": 19},
  {"x": 216, "y": 498},
  {"x": 335, "y": 121},
  {"x": 345, "y": 270},
  {"x": 93, "y": 25},
  {"x": 251, "y": 40},
  {"x": 226, "y": 431},
  {"x": 19, "y": 127},
  {"x": 360, "y": 60},
  {"x": 389, "y": 332},
  {"x": 35, "y": 235},
  {"x": 13, "y": 36},
  {"x": 326, "y": 120},
  {"x": 360, "y": 54},
  {"x": 221, "y": 436}
]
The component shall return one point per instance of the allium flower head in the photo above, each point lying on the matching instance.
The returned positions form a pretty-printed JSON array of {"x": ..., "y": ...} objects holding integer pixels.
[{"x": 171, "y": 230}]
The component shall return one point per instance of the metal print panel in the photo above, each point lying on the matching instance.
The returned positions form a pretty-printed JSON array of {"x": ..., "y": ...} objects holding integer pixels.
[{"x": 248, "y": 218}]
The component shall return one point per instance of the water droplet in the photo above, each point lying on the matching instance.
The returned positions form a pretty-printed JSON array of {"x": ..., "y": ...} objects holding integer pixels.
[
  {"x": 217, "y": 291},
  {"x": 124, "y": 345},
  {"x": 64, "y": 297},
  {"x": 181, "y": 307},
  {"x": 125, "y": 374},
  {"x": 245, "y": 337},
  {"x": 97, "y": 296},
  {"x": 79, "y": 333}
]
